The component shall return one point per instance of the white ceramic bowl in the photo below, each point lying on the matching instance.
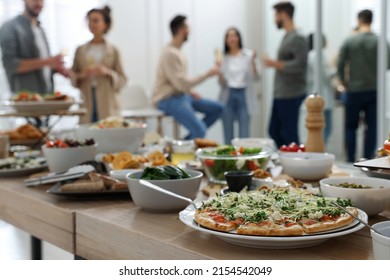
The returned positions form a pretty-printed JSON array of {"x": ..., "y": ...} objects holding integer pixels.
[
  {"x": 61, "y": 159},
  {"x": 265, "y": 143},
  {"x": 307, "y": 166},
  {"x": 381, "y": 243},
  {"x": 372, "y": 201},
  {"x": 152, "y": 200},
  {"x": 111, "y": 140}
]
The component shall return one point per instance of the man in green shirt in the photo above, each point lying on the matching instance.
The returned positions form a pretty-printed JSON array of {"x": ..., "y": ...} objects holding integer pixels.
[{"x": 360, "y": 54}]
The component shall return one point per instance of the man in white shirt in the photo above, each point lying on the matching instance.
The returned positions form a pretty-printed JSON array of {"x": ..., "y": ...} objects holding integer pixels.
[{"x": 25, "y": 52}]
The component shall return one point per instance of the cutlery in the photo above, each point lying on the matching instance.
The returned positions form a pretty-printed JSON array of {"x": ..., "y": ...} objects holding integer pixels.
[
  {"x": 72, "y": 173},
  {"x": 157, "y": 188},
  {"x": 356, "y": 218}
]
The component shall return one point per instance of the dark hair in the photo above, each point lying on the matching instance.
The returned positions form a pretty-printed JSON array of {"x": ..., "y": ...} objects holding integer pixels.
[
  {"x": 226, "y": 50},
  {"x": 106, "y": 13},
  {"x": 176, "y": 23},
  {"x": 310, "y": 40},
  {"x": 286, "y": 7},
  {"x": 365, "y": 16}
]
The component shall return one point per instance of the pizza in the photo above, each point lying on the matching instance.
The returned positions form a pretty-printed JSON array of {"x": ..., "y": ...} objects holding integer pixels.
[{"x": 278, "y": 211}]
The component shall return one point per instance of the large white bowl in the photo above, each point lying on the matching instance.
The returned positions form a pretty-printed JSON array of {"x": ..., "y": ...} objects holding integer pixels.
[
  {"x": 381, "y": 242},
  {"x": 307, "y": 166},
  {"x": 111, "y": 140},
  {"x": 61, "y": 159},
  {"x": 372, "y": 201},
  {"x": 152, "y": 200}
]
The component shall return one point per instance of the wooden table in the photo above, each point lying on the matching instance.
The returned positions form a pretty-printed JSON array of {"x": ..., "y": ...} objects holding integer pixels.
[
  {"x": 47, "y": 217},
  {"x": 115, "y": 228},
  {"x": 124, "y": 231}
]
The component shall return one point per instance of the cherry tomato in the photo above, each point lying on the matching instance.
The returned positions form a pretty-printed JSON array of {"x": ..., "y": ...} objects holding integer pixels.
[
  {"x": 283, "y": 148},
  {"x": 50, "y": 144},
  {"x": 386, "y": 145},
  {"x": 293, "y": 147},
  {"x": 209, "y": 162},
  {"x": 234, "y": 153},
  {"x": 252, "y": 165},
  {"x": 241, "y": 150},
  {"x": 302, "y": 148}
]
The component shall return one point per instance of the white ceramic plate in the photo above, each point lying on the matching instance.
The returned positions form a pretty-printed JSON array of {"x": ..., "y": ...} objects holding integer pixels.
[
  {"x": 378, "y": 163},
  {"x": 21, "y": 172},
  {"x": 270, "y": 242},
  {"x": 37, "y": 106}
]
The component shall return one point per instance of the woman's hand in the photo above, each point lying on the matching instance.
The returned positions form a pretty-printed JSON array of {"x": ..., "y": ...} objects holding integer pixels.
[{"x": 94, "y": 71}]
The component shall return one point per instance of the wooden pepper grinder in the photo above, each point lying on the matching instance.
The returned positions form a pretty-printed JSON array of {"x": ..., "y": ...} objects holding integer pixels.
[{"x": 315, "y": 123}]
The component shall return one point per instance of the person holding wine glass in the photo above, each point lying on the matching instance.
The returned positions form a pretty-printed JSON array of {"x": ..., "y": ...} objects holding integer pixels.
[
  {"x": 239, "y": 72},
  {"x": 97, "y": 70}
]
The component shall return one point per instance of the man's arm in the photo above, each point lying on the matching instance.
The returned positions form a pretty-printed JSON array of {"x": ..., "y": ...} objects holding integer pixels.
[
  {"x": 15, "y": 64},
  {"x": 177, "y": 75},
  {"x": 343, "y": 56},
  {"x": 298, "y": 63},
  {"x": 295, "y": 65}
]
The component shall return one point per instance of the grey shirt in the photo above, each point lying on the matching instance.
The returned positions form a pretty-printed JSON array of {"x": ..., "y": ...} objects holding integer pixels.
[
  {"x": 17, "y": 42},
  {"x": 290, "y": 82},
  {"x": 360, "y": 53}
]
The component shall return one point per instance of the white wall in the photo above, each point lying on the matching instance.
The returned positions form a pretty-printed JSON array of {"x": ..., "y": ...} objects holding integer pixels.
[{"x": 141, "y": 29}]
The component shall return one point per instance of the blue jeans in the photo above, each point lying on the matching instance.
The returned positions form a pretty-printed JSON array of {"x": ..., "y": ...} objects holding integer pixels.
[
  {"x": 236, "y": 109},
  {"x": 183, "y": 108},
  {"x": 283, "y": 127},
  {"x": 355, "y": 103}
]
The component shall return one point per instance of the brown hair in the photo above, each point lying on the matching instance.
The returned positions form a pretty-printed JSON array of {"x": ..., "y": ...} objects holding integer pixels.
[
  {"x": 286, "y": 7},
  {"x": 106, "y": 13}
]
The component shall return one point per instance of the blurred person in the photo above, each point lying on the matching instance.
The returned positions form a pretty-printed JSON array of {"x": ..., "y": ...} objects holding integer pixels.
[
  {"x": 360, "y": 53},
  {"x": 173, "y": 92},
  {"x": 26, "y": 55},
  {"x": 239, "y": 71},
  {"x": 326, "y": 91},
  {"x": 290, "y": 78},
  {"x": 97, "y": 69}
]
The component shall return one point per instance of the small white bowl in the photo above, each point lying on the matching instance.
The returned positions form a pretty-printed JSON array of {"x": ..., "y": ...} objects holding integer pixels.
[
  {"x": 372, "y": 201},
  {"x": 381, "y": 243},
  {"x": 111, "y": 140},
  {"x": 307, "y": 166},
  {"x": 61, "y": 159},
  {"x": 152, "y": 200}
]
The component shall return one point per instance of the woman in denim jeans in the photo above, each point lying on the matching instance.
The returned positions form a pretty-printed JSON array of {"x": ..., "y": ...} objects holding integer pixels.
[{"x": 239, "y": 71}]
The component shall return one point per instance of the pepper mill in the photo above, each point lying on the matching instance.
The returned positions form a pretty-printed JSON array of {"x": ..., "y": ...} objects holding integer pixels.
[{"x": 315, "y": 123}]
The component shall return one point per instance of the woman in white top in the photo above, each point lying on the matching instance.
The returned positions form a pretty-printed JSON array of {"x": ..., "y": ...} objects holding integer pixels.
[
  {"x": 326, "y": 90},
  {"x": 239, "y": 71},
  {"x": 97, "y": 70}
]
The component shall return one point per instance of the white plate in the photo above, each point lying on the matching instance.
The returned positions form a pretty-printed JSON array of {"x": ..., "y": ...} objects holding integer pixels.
[
  {"x": 271, "y": 242},
  {"x": 378, "y": 163},
  {"x": 21, "y": 172},
  {"x": 36, "y": 106}
]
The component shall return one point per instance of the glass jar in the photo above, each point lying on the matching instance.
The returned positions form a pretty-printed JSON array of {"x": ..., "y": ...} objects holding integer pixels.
[{"x": 182, "y": 151}]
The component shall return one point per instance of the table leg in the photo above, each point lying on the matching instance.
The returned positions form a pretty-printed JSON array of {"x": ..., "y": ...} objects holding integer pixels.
[{"x": 36, "y": 248}]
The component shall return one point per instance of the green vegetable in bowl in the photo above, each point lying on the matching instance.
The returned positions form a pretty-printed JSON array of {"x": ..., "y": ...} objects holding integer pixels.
[{"x": 168, "y": 172}]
